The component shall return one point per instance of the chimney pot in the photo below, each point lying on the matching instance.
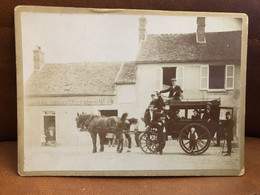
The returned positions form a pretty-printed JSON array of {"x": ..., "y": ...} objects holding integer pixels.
[
  {"x": 200, "y": 36},
  {"x": 142, "y": 28},
  {"x": 38, "y": 58}
]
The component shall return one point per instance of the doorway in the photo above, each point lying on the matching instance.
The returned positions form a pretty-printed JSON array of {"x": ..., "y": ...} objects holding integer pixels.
[
  {"x": 108, "y": 112},
  {"x": 49, "y": 128}
]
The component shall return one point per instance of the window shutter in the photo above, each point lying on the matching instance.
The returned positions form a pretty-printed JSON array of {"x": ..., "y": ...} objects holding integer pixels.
[
  {"x": 204, "y": 77},
  {"x": 180, "y": 76},
  {"x": 230, "y": 71},
  {"x": 158, "y": 79}
]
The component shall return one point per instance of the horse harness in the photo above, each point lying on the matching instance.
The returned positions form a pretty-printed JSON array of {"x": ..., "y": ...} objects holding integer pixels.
[
  {"x": 88, "y": 121},
  {"x": 115, "y": 129}
]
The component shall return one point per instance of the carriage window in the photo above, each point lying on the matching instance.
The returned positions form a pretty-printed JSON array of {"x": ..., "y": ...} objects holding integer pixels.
[
  {"x": 182, "y": 113},
  {"x": 194, "y": 114}
]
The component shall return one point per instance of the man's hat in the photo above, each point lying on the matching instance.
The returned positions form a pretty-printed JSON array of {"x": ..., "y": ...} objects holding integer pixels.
[
  {"x": 195, "y": 110},
  {"x": 173, "y": 79},
  {"x": 228, "y": 113},
  {"x": 152, "y": 94},
  {"x": 209, "y": 103}
]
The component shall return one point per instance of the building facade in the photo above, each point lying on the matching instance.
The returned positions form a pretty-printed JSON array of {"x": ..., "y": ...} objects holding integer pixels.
[{"x": 206, "y": 65}]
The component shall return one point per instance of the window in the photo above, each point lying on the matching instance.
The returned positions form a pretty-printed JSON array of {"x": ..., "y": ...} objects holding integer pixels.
[
  {"x": 217, "y": 77},
  {"x": 168, "y": 74},
  {"x": 164, "y": 75},
  {"x": 230, "y": 76}
]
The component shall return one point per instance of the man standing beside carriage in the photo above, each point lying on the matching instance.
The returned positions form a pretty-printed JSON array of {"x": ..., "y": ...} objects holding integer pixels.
[
  {"x": 228, "y": 126},
  {"x": 212, "y": 120}
]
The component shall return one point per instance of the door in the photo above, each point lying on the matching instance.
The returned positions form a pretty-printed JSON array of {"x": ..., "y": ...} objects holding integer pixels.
[
  {"x": 108, "y": 112},
  {"x": 49, "y": 127}
]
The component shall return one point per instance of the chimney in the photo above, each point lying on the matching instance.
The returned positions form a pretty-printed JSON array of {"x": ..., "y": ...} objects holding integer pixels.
[
  {"x": 200, "y": 36},
  {"x": 142, "y": 29},
  {"x": 38, "y": 58}
]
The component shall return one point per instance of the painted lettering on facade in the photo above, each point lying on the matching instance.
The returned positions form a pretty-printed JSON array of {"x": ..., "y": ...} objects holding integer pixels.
[{"x": 69, "y": 101}]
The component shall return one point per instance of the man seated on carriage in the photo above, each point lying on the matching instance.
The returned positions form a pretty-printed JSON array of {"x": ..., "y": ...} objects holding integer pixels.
[
  {"x": 175, "y": 116},
  {"x": 175, "y": 91},
  {"x": 155, "y": 107},
  {"x": 195, "y": 115}
]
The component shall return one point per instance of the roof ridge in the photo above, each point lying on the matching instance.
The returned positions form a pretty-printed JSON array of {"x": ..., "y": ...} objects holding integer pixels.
[
  {"x": 184, "y": 47},
  {"x": 87, "y": 62},
  {"x": 170, "y": 34}
]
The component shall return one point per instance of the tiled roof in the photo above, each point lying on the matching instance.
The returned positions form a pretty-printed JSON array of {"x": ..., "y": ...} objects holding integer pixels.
[
  {"x": 184, "y": 47},
  {"x": 93, "y": 78},
  {"x": 127, "y": 74}
]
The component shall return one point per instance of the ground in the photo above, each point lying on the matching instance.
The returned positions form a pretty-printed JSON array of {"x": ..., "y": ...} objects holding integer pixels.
[{"x": 81, "y": 158}]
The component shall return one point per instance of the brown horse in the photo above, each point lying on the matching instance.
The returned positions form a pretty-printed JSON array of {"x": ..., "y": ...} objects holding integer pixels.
[{"x": 101, "y": 125}]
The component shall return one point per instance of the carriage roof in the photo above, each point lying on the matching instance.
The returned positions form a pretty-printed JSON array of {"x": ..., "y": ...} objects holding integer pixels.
[{"x": 194, "y": 103}]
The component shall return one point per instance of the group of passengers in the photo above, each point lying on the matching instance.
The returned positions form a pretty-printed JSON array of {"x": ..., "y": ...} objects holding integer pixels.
[{"x": 155, "y": 113}]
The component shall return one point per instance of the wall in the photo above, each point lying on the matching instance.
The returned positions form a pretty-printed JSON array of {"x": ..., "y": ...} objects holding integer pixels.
[
  {"x": 146, "y": 80},
  {"x": 65, "y": 115},
  {"x": 126, "y": 99}
]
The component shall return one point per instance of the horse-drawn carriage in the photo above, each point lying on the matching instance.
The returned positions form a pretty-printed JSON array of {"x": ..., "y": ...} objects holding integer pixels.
[{"x": 181, "y": 129}]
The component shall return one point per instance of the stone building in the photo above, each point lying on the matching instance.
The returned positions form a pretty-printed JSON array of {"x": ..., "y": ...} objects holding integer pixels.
[{"x": 206, "y": 65}]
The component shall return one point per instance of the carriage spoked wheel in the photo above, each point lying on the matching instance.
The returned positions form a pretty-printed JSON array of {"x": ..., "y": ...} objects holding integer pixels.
[
  {"x": 144, "y": 139},
  {"x": 198, "y": 145},
  {"x": 149, "y": 141}
]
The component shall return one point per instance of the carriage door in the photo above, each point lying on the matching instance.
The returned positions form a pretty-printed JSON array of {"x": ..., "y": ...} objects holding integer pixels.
[{"x": 49, "y": 127}]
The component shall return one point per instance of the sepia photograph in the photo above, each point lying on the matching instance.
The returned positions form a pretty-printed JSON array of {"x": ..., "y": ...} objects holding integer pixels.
[{"x": 130, "y": 92}]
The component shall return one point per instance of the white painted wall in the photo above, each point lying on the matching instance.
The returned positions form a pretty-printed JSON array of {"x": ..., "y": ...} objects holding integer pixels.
[{"x": 146, "y": 85}]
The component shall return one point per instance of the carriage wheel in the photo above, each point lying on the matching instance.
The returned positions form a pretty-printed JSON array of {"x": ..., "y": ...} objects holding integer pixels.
[
  {"x": 149, "y": 141},
  {"x": 200, "y": 145},
  {"x": 153, "y": 142},
  {"x": 143, "y": 143}
]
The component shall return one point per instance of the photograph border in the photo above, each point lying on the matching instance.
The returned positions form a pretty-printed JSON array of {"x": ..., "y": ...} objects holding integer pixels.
[{"x": 69, "y": 10}]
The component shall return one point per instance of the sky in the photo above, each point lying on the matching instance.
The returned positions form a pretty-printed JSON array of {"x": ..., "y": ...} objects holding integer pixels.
[{"x": 72, "y": 38}]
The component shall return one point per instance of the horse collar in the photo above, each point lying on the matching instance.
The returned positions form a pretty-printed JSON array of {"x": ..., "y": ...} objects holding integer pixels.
[{"x": 89, "y": 120}]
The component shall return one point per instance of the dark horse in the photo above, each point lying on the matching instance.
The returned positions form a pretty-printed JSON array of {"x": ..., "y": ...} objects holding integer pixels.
[{"x": 101, "y": 125}]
